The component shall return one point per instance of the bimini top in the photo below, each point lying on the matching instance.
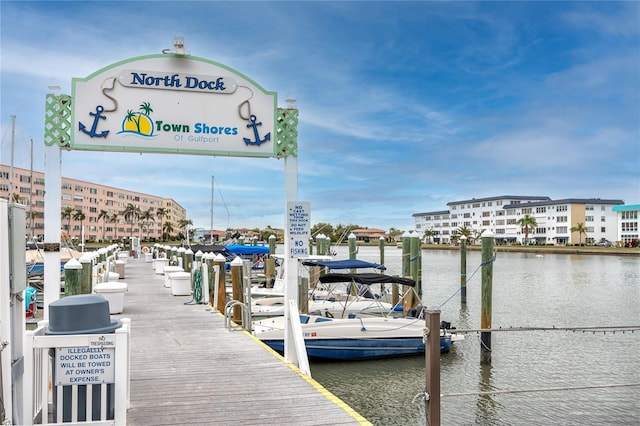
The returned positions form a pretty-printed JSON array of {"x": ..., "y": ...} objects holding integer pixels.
[
  {"x": 366, "y": 279},
  {"x": 344, "y": 264}
]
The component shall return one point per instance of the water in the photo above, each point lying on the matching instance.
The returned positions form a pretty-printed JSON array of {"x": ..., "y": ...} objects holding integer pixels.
[{"x": 528, "y": 290}]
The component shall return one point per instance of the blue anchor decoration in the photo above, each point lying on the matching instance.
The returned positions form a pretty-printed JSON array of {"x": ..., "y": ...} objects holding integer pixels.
[
  {"x": 98, "y": 115},
  {"x": 258, "y": 141}
]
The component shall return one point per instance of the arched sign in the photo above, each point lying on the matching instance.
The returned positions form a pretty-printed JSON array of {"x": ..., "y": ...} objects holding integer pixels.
[
  {"x": 171, "y": 103},
  {"x": 168, "y": 103}
]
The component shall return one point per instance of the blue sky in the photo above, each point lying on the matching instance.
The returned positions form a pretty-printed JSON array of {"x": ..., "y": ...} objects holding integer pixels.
[{"x": 404, "y": 106}]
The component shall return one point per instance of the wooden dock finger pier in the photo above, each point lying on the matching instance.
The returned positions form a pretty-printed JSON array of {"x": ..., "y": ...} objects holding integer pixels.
[{"x": 187, "y": 368}]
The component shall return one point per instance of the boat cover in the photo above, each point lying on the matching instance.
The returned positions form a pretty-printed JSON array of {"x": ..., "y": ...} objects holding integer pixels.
[
  {"x": 366, "y": 279},
  {"x": 344, "y": 264},
  {"x": 241, "y": 249}
]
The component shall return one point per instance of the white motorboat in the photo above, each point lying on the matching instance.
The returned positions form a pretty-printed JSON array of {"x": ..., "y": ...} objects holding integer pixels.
[
  {"x": 338, "y": 296},
  {"x": 332, "y": 299},
  {"x": 355, "y": 338}
]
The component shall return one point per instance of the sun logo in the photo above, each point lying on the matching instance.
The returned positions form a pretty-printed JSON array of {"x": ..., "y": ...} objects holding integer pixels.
[{"x": 139, "y": 123}]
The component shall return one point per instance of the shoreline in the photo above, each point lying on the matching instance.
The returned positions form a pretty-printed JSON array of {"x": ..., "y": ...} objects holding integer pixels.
[{"x": 553, "y": 250}]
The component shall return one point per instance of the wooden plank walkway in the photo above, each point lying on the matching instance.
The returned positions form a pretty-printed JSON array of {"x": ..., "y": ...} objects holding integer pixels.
[{"x": 187, "y": 368}]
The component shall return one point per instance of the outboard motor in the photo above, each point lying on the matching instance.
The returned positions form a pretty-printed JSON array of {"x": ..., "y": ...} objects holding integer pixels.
[
  {"x": 446, "y": 325},
  {"x": 416, "y": 312}
]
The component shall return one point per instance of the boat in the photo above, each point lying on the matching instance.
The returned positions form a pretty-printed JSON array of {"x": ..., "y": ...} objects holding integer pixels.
[
  {"x": 277, "y": 284},
  {"x": 331, "y": 307},
  {"x": 336, "y": 295},
  {"x": 213, "y": 248},
  {"x": 34, "y": 260},
  {"x": 355, "y": 338},
  {"x": 345, "y": 334},
  {"x": 255, "y": 254}
]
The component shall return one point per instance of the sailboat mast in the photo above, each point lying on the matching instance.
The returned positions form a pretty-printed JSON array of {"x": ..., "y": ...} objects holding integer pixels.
[
  {"x": 13, "y": 142},
  {"x": 211, "y": 229},
  {"x": 31, "y": 193}
]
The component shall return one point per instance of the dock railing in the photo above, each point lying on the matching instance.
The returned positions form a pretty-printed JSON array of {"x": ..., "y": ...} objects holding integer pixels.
[{"x": 109, "y": 375}]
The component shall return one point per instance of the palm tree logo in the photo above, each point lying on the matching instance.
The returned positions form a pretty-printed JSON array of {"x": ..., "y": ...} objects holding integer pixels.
[{"x": 139, "y": 123}]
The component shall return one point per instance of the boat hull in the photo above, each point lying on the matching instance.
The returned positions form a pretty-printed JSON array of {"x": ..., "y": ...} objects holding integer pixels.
[
  {"x": 361, "y": 349},
  {"x": 353, "y": 338}
]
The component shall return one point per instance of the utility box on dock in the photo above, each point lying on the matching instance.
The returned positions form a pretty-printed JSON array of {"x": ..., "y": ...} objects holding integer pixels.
[
  {"x": 120, "y": 264},
  {"x": 168, "y": 271},
  {"x": 180, "y": 283},
  {"x": 91, "y": 366},
  {"x": 160, "y": 264},
  {"x": 114, "y": 292}
]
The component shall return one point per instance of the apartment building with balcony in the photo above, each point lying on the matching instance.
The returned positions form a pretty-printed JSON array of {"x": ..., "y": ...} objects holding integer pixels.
[
  {"x": 102, "y": 206},
  {"x": 554, "y": 219}
]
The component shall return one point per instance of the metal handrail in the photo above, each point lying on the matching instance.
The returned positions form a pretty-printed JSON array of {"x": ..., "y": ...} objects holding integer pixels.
[{"x": 228, "y": 314}]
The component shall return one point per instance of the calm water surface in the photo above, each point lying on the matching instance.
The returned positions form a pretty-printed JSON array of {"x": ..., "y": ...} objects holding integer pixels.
[{"x": 528, "y": 290}]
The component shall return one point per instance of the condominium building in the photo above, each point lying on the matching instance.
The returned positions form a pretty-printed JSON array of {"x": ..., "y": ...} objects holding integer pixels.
[
  {"x": 102, "y": 208},
  {"x": 628, "y": 222},
  {"x": 500, "y": 215}
]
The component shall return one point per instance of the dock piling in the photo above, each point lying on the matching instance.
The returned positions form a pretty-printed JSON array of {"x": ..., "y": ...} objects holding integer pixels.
[
  {"x": 236, "y": 288},
  {"x": 487, "y": 284},
  {"x": 72, "y": 278},
  {"x": 219, "y": 261},
  {"x": 432, "y": 366},
  {"x": 463, "y": 270}
]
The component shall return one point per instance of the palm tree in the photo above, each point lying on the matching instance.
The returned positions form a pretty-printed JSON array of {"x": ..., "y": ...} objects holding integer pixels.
[
  {"x": 477, "y": 234},
  {"x": 393, "y": 233},
  {"x": 78, "y": 215},
  {"x": 430, "y": 233},
  {"x": 32, "y": 216},
  {"x": 146, "y": 107},
  {"x": 463, "y": 230},
  {"x": 131, "y": 116},
  {"x": 161, "y": 213},
  {"x": 145, "y": 217},
  {"x": 527, "y": 223},
  {"x": 580, "y": 229},
  {"x": 67, "y": 213},
  {"x": 167, "y": 229},
  {"x": 183, "y": 224},
  {"x": 104, "y": 216},
  {"x": 131, "y": 213},
  {"x": 114, "y": 219}
]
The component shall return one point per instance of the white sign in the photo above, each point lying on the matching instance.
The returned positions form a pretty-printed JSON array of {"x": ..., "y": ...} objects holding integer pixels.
[
  {"x": 85, "y": 365},
  {"x": 299, "y": 225},
  {"x": 173, "y": 104}
]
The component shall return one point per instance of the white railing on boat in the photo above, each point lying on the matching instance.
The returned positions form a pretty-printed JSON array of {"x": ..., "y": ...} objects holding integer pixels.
[{"x": 39, "y": 385}]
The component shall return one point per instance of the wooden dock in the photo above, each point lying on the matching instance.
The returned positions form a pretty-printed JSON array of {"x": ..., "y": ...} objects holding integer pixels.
[{"x": 187, "y": 368}]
